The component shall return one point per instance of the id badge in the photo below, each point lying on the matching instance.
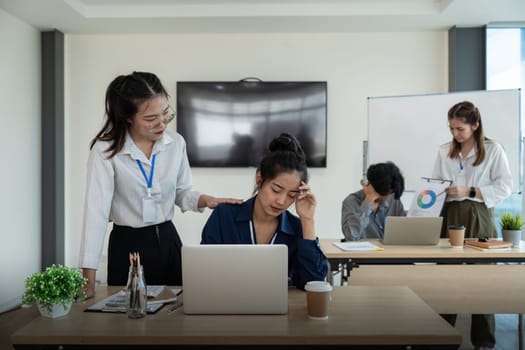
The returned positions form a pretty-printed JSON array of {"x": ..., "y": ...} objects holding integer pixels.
[
  {"x": 148, "y": 210},
  {"x": 460, "y": 178}
]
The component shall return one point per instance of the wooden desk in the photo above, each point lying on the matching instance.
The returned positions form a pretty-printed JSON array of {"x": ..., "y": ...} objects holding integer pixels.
[
  {"x": 454, "y": 285},
  {"x": 359, "y": 317},
  {"x": 489, "y": 274},
  {"x": 441, "y": 253},
  {"x": 451, "y": 289}
]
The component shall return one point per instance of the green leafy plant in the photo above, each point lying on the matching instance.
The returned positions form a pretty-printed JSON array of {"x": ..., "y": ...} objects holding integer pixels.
[
  {"x": 56, "y": 285},
  {"x": 510, "y": 221}
]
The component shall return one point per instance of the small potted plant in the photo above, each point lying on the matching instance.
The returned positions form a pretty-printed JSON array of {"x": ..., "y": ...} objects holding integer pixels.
[
  {"x": 511, "y": 225},
  {"x": 54, "y": 290}
]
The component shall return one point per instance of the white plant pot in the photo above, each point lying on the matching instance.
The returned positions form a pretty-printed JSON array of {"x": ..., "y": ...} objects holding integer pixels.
[{"x": 57, "y": 310}]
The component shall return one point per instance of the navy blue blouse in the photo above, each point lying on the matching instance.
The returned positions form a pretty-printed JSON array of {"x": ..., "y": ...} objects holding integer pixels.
[{"x": 230, "y": 224}]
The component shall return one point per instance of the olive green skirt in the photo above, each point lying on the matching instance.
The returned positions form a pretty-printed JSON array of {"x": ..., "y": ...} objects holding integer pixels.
[{"x": 476, "y": 217}]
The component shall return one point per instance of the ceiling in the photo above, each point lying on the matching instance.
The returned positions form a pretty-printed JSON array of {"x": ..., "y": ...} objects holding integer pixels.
[{"x": 261, "y": 16}]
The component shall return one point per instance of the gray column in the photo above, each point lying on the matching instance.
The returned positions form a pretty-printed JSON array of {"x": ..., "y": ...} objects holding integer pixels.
[
  {"x": 467, "y": 59},
  {"x": 52, "y": 148}
]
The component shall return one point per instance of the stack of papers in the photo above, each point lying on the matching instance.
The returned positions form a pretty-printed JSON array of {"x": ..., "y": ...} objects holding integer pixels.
[
  {"x": 117, "y": 301},
  {"x": 154, "y": 291},
  {"x": 354, "y": 246}
]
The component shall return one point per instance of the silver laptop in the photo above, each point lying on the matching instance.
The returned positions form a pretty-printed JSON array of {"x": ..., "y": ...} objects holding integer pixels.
[
  {"x": 404, "y": 230},
  {"x": 235, "y": 279}
]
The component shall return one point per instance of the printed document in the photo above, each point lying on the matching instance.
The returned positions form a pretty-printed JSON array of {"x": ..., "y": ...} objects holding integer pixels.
[
  {"x": 429, "y": 198},
  {"x": 357, "y": 246}
]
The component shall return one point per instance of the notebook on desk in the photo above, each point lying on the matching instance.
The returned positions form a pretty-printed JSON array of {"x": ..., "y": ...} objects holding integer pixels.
[
  {"x": 235, "y": 279},
  {"x": 404, "y": 230}
]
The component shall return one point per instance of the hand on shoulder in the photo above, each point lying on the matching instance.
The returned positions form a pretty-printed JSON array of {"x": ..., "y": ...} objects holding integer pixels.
[{"x": 212, "y": 202}]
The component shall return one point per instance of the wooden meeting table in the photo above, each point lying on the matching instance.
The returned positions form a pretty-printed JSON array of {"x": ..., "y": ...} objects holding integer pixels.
[
  {"x": 359, "y": 317},
  {"x": 450, "y": 280}
]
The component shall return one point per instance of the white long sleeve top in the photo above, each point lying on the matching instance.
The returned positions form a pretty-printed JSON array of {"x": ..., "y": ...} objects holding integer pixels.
[
  {"x": 116, "y": 187},
  {"x": 492, "y": 176}
]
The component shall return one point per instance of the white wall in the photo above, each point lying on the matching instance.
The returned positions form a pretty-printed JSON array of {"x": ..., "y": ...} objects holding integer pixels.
[
  {"x": 20, "y": 174},
  {"x": 355, "y": 65}
]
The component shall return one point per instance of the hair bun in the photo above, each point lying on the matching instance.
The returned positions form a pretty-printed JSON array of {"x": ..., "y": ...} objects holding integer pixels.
[{"x": 287, "y": 143}]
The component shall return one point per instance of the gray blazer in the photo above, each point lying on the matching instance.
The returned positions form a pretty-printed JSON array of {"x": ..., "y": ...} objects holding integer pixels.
[{"x": 359, "y": 221}]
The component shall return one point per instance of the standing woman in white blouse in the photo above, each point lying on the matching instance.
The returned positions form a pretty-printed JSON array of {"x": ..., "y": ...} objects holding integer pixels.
[
  {"x": 479, "y": 170},
  {"x": 137, "y": 172},
  {"x": 481, "y": 179}
]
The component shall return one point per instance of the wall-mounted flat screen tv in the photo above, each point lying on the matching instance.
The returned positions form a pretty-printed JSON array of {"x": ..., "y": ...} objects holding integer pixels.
[{"x": 230, "y": 124}]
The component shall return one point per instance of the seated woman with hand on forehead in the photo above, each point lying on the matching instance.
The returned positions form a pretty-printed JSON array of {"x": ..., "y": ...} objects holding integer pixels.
[{"x": 281, "y": 180}]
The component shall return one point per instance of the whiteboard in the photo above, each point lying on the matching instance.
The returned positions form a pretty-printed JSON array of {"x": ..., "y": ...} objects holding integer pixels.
[{"x": 408, "y": 130}]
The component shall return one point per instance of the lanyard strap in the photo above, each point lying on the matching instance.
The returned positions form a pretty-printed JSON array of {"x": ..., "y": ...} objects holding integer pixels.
[
  {"x": 381, "y": 223},
  {"x": 252, "y": 233},
  {"x": 149, "y": 181}
]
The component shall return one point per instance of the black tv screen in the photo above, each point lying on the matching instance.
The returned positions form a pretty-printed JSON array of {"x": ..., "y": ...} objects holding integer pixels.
[{"x": 230, "y": 124}]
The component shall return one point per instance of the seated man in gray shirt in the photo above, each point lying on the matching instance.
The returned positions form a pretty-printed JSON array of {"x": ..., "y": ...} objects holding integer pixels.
[{"x": 364, "y": 212}]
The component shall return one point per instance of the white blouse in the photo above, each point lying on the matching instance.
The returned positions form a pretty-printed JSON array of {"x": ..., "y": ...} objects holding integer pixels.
[
  {"x": 116, "y": 187},
  {"x": 492, "y": 176}
]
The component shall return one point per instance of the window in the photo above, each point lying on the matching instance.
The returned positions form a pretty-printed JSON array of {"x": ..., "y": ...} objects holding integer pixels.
[{"x": 506, "y": 70}]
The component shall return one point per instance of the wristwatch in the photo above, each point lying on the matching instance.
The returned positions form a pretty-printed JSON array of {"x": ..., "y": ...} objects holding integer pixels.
[{"x": 472, "y": 192}]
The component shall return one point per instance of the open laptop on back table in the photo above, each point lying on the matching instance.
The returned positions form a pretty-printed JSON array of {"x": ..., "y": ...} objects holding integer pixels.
[
  {"x": 405, "y": 230},
  {"x": 235, "y": 279}
]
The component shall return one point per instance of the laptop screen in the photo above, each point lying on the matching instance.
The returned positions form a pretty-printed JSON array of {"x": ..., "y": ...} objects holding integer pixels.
[
  {"x": 404, "y": 230},
  {"x": 235, "y": 279}
]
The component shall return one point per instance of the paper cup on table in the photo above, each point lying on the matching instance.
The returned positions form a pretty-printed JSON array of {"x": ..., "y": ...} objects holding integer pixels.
[
  {"x": 318, "y": 296},
  {"x": 456, "y": 234}
]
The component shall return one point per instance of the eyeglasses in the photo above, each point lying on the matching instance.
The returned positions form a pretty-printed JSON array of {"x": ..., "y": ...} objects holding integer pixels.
[{"x": 160, "y": 121}]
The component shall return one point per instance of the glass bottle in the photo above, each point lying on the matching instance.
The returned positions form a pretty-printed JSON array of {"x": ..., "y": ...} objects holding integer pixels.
[{"x": 136, "y": 293}]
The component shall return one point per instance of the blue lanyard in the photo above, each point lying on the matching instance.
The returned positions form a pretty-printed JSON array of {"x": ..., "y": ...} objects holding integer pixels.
[
  {"x": 381, "y": 223},
  {"x": 149, "y": 181},
  {"x": 461, "y": 166}
]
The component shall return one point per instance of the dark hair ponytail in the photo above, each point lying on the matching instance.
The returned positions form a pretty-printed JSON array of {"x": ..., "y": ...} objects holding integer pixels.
[
  {"x": 123, "y": 96},
  {"x": 284, "y": 155}
]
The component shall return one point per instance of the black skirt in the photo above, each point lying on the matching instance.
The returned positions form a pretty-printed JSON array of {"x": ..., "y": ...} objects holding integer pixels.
[
  {"x": 160, "y": 253},
  {"x": 475, "y": 216}
]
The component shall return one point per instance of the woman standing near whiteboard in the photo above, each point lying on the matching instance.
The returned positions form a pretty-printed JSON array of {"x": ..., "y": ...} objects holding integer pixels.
[
  {"x": 479, "y": 170},
  {"x": 481, "y": 179}
]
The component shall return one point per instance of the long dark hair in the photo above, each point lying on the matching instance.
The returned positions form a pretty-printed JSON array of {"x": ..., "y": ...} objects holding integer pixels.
[
  {"x": 123, "y": 96},
  {"x": 468, "y": 113},
  {"x": 284, "y": 155}
]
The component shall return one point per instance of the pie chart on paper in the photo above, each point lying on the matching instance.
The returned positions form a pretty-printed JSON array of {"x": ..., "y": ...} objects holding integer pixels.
[{"x": 426, "y": 199}]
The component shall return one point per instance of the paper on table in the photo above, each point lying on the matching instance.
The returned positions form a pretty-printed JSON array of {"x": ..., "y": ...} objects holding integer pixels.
[
  {"x": 362, "y": 246},
  {"x": 117, "y": 301},
  {"x": 154, "y": 291},
  {"x": 176, "y": 291}
]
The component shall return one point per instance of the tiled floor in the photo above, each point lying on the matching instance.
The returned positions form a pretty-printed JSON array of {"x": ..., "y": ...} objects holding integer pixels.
[{"x": 506, "y": 331}]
